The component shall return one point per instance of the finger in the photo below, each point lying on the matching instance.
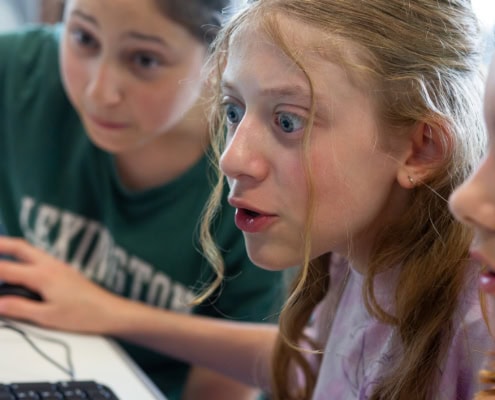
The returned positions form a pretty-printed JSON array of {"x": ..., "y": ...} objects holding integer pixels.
[
  {"x": 19, "y": 274},
  {"x": 21, "y": 308},
  {"x": 20, "y": 249}
]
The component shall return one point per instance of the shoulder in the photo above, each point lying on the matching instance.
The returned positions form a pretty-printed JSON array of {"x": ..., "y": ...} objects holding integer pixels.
[
  {"x": 34, "y": 38},
  {"x": 21, "y": 51},
  {"x": 29, "y": 70}
]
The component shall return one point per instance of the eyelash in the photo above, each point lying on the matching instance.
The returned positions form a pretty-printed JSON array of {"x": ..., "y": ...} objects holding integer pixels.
[
  {"x": 138, "y": 58},
  {"x": 300, "y": 121},
  {"x": 142, "y": 62},
  {"x": 81, "y": 38},
  {"x": 297, "y": 122},
  {"x": 227, "y": 106}
]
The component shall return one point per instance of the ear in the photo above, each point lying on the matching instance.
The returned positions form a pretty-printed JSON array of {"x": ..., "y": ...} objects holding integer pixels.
[{"x": 425, "y": 151}]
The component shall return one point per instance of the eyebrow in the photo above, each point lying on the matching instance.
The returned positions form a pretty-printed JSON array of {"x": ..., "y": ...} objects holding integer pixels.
[
  {"x": 131, "y": 34},
  {"x": 147, "y": 38},
  {"x": 297, "y": 91},
  {"x": 86, "y": 17}
]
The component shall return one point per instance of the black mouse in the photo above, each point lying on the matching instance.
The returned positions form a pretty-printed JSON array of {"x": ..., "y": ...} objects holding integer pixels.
[{"x": 6, "y": 289}]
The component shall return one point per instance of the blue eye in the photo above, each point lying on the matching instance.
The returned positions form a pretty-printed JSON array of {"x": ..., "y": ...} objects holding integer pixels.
[
  {"x": 289, "y": 122},
  {"x": 233, "y": 113}
]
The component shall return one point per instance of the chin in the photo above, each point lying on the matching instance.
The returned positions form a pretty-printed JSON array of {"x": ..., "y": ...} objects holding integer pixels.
[
  {"x": 271, "y": 262},
  {"x": 108, "y": 146}
]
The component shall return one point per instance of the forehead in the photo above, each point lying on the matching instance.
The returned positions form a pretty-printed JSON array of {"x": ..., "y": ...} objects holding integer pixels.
[
  {"x": 250, "y": 47},
  {"x": 119, "y": 7},
  {"x": 283, "y": 33},
  {"x": 290, "y": 52},
  {"x": 125, "y": 15}
]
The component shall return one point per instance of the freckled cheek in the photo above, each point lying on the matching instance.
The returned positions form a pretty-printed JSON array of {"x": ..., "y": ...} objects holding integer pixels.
[
  {"x": 294, "y": 179},
  {"x": 323, "y": 174},
  {"x": 330, "y": 191}
]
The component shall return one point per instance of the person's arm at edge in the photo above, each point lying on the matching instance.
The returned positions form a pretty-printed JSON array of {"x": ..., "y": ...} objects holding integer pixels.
[
  {"x": 206, "y": 384},
  {"x": 239, "y": 350}
]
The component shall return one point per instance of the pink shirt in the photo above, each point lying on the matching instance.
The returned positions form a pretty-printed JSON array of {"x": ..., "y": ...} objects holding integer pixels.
[{"x": 360, "y": 350}]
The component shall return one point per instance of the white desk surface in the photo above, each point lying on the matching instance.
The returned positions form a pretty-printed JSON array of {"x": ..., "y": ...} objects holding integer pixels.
[{"x": 93, "y": 357}]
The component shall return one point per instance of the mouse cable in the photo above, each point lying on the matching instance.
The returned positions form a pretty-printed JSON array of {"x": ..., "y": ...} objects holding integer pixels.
[{"x": 69, "y": 370}]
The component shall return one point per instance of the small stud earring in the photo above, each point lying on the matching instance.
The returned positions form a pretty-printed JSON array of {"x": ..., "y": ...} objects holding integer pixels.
[{"x": 411, "y": 180}]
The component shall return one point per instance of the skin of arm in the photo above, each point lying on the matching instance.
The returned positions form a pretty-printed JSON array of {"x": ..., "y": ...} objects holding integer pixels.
[
  {"x": 206, "y": 384},
  {"x": 241, "y": 351}
]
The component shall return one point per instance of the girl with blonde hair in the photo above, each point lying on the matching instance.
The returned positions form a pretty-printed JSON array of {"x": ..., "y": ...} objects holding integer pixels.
[{"x": 349, "y": 123}]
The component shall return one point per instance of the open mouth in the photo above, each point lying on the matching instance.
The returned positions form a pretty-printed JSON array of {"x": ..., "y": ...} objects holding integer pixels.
[
  {"x": 250, "y": 213},
  {"x": 487, "y": 280},
  {"x": 252, "y": 221},
  {"x": 489, "y": 271}
]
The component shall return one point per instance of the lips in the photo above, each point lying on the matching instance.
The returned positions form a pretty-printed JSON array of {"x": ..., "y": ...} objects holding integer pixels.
[
  {"x": 487, "y": 282},
  {"x": 250, "y": 221},
  {"x": 248, "y": 218},
  {"x": 108, "y": 124},
  {"x": 487, "y": 277}
]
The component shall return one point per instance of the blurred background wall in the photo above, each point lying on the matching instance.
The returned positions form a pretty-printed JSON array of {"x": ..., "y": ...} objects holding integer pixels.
[{"x": 16, "y": 12}]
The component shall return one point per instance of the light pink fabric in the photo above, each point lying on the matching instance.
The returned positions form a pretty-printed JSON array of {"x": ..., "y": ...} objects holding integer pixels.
[{"x": 359, "y": 350}]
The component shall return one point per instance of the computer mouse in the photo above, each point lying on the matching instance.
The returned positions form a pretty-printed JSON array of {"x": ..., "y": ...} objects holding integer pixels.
[{"x": 6, "y": 289}]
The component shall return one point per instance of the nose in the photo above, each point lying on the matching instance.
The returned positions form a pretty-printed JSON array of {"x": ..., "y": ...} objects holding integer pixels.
[
  {"x": 104, "y": 88},
  {"x": 459, "y": 204},
  {"x": 244, "y": 156},
  {"x": 473, "y": 204}
]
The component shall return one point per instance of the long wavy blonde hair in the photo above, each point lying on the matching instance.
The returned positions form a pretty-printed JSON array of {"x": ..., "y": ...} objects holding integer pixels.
[{"x": 420, "y": 60}]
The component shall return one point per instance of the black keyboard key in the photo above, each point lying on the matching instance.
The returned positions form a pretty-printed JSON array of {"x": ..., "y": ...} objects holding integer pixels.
[
  {"x": 102, "y": 395},
  {"x": 5, "y": 393},
  {"x": 29, "y": 395},
  {"x": 69, "y": 390},
  {"x": 34, "y": 386},
  {"x": 74, "y": 395},
  {"x": 51, "y": 396},
  {"x": 84, "y": 385},
  {"x": 94, "y": 390},
  {"x": 99, "y": 396}
]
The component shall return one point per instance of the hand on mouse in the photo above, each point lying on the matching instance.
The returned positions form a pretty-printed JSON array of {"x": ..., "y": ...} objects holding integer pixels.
[{"x": 71, "y": 301}]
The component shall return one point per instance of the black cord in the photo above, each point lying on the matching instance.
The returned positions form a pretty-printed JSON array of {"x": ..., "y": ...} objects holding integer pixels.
[{"x": 69, "y": 370}]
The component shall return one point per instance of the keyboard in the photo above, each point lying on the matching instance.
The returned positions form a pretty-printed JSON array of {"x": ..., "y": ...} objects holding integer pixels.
[{"x": 68, "y": 390}]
